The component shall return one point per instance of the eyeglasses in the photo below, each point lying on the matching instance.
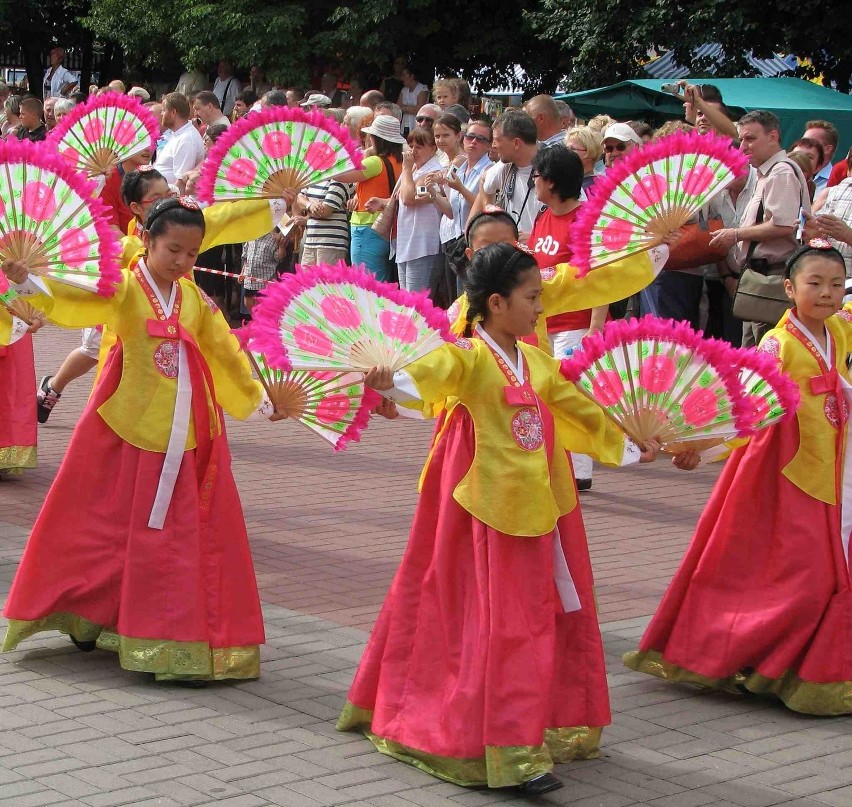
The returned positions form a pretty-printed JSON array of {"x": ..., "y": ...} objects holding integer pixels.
[
  {"x": 578, "y": 149},
  {"x": 477, "y": 138},
  {"x": 424, "y": 119},
  {"x": 617, "y": 147}
]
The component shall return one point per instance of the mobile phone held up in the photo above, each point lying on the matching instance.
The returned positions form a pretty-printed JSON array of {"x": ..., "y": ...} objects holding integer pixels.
[{"x": 674, "y": 89}]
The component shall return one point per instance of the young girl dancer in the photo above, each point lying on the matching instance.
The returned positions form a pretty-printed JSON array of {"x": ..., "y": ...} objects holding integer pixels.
[
  {"x": 225, "y": 223},
  {"x": 761, "y": 602},
  {"x": 144, "y": 547},
  {"x": 486, "y": 665}
]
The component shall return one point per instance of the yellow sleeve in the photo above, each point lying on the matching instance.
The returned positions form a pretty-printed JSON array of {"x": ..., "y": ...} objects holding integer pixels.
[
  {"x": 235, "y": 222},
  {"x": 237, "y": 392},
  {"x": 581, "y": 424},
  {"x": 442, "y": 374},
  {"x": 615, "y": 281},
  {"x": 70, "y": 307}
]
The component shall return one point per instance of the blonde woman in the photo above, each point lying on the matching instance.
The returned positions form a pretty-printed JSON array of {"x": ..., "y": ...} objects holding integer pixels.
[{"x": 587, "y": 144}]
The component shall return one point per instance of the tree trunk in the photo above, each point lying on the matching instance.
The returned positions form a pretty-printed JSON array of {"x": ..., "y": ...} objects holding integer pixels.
[
  {"x": 86, "y": 67},
  {"x": 32, "y": 61}
]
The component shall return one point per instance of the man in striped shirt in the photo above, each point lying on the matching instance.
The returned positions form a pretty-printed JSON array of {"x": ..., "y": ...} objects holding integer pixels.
[{"x": 327, "y": 226}]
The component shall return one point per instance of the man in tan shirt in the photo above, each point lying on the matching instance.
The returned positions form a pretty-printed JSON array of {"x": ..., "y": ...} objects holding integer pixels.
[{"x": 779, "y": 184}]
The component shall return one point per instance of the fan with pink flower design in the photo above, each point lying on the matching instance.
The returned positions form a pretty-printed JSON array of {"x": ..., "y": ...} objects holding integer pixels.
[
  {"x": 50, "y": 221},
  {"x": 659, "y": 379},
  {"x": 105, "y": 131},
  {"x": 271, "y": 151},
  {"x": 648, "y": 194},
  {"x": 341, "y": 318}
]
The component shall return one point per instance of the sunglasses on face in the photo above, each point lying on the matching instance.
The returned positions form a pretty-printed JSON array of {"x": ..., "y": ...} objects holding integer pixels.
[
  {"x": 424, "y": 119},
  {"x": 478, "y": 138},
  {"x": 617, "y": 147}
]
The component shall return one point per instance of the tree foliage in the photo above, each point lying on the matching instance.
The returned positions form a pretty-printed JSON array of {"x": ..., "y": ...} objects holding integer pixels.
[{"x": 606, "y": 41}]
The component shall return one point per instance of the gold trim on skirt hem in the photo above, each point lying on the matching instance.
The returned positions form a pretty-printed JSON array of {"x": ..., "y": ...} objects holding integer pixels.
[
  {"x": 501, "y": 766},
  {"x": 14, "y": 459},
  {"x": 167, "y": 660},
  {"x": 806, "y": 697}
]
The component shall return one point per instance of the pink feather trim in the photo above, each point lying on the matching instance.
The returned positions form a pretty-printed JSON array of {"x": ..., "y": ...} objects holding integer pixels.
[
  {"x": 276, "y": 297},
  {"x": 675, "y": 144},
  {"x": 40, "y": 155},
  {"x": 258, "y": 118},
  {"x": 723, "y": 358},
  {"x": 109, "y": 100},
  {"x": 766, "y": 366}
]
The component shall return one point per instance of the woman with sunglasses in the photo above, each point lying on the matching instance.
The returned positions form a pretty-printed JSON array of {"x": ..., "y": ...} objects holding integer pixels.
[{"x": 460, "y": 189}]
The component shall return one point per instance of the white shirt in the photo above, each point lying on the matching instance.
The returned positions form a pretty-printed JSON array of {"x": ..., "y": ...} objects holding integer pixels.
[
  {"x": 409, "y": 98},
  {"x": 180, "y": 154},
  {"x": 54, "y": 84},
  {"x": 417, "y": 226},
  {"x": 522, "y": 205},
  {"x": 227, "y": 90}
]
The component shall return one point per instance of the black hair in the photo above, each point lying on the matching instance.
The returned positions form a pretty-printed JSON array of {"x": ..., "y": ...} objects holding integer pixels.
[
  {"x": 486, "y": 217},
  {"x": 180, "y": 211},
  {"x": 135, "y": 184},
  {"x": 563, "y": 167},
  {"x": 495, "y": 269},
  {"x": 248, "y": 97},
  {"x": 793, "y": 262},
  {"x": 214, "y": 131}
]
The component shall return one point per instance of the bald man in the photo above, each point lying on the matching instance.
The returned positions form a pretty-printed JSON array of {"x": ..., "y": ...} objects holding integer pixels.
[{"x": 548, "y": 123}]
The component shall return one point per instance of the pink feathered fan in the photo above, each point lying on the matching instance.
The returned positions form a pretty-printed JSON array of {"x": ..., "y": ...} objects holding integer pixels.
[{"x": 651, "y": 192}]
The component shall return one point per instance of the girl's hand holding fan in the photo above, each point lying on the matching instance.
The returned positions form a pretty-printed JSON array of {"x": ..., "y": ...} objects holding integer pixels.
[
  {"x": 51, "y": 223},
  {"x": 651, "y": 193},
  {"x": 273, "y": 152},
  {"x": 102, "y": 133},
  {"x": 342, "y": 319}
]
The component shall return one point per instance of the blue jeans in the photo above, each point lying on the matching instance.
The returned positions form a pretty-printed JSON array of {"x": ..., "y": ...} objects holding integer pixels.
[
  {"x": 417, "y": 275},
  {"x": 369, "y": 248}
]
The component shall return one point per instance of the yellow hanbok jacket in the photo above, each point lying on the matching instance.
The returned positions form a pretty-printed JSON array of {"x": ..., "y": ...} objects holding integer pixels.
[
  {"x": 142, "y": 408},
  {"x": 511, "y": 488},
  {"x": 813, "y": 467},
  {"x": 562, "y": 290}
]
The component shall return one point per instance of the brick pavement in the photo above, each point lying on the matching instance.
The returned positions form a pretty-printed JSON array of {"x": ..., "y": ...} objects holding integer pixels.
[{"x": 327, "y": 532}]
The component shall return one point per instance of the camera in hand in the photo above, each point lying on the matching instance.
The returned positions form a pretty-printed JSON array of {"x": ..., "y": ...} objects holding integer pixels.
[
  {"x": 422, "y": 190},
  {"x": 674, "y": 89}
]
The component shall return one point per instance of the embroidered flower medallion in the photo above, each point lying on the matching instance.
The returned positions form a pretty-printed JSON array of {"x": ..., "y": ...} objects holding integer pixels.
[
  {"x": 210, "y": 304},
  {"x": 832, "y": 411},
  {"x": 548, "y": 273},
  {"x": 527, "y": 429},
  {"x": 464, "y": 344},
  {"x": 771, "y": 346},
  {"x": 166, "y": 358}
]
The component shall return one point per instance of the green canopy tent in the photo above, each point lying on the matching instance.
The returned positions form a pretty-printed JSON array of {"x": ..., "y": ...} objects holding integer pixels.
[{"x": 793, "y": 100}]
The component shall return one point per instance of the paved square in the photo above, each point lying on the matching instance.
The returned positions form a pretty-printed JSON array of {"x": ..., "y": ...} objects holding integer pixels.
[{"x": 327, "y": 531}]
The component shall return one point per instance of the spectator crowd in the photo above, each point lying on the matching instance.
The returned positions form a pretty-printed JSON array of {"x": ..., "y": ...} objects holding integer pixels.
[{"x": 434, "y": 163}]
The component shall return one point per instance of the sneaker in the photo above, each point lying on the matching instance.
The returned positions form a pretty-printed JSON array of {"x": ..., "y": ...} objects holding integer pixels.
[
  {"x": 584, "y": 484},
  {"x": 46, "y": 399}
]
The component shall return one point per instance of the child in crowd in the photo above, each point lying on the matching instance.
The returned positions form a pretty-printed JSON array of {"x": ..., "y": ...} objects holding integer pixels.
[
  {"x": 486, "y": 664},
  {"x": 144, "y": 549},
  {"x": 762, "y": 602}
]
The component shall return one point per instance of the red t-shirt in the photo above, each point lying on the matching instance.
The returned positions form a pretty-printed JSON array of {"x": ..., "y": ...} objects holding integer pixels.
[
  {"x": 119, "y": 213},
  {"x": 551, "y": 244},
  {"x": 838, "y": 174}
]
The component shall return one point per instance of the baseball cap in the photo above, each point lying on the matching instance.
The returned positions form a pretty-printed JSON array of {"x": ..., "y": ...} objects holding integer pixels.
[
  {"x": 622, "y": 132},
  {"x": 316, "y": 99}
]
